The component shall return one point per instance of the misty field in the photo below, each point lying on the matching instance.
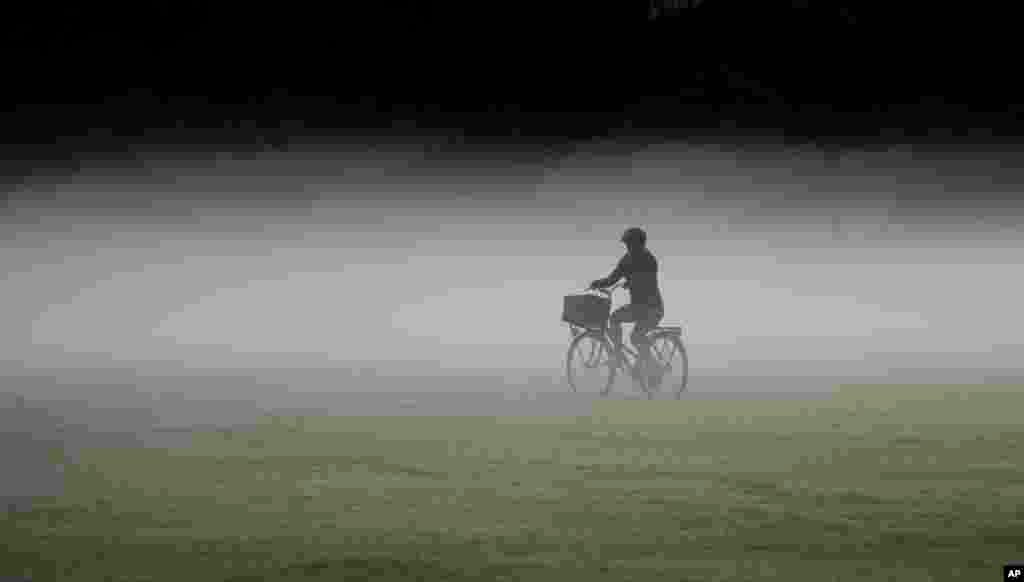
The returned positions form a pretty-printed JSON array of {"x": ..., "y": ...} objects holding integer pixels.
[{"x": 878, "y": 483}]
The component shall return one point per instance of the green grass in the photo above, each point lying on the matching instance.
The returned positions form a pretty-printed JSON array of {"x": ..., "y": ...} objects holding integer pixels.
[{"x": 879, "y": 483}]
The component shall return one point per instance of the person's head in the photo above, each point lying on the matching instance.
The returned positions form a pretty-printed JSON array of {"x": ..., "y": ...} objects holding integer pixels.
[{"x": 634, "y": 238}]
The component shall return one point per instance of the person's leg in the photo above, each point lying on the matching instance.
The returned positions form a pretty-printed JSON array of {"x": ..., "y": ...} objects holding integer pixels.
[
  {"x": 620, "y": 316},
  {"x": 647, "y": 318}
]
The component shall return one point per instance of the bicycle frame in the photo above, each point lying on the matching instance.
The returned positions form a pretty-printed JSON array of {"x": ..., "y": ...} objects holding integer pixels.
[{"x": 628, "y": 357}]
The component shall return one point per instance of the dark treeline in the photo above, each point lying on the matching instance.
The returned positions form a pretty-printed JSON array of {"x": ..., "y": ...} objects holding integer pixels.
[{"x": 809, "y": 70}]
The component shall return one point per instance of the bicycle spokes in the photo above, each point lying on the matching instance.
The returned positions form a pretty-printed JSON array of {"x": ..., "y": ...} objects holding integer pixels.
[
  {"x": 672, "y": 370},
  {"x": 588, "y": 364},
  {"x": 661, "y": 357},
  {"x": 593, "y": 358}
]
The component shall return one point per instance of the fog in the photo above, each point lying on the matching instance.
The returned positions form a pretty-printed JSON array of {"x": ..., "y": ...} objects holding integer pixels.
[{"x": 775, "y": 261}]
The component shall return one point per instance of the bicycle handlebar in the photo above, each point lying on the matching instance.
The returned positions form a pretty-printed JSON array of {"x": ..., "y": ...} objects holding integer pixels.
[{"x": 607, "y": 290}]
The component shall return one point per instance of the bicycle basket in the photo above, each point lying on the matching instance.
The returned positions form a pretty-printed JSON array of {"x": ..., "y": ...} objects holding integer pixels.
[{"x": 590, "y": 311}]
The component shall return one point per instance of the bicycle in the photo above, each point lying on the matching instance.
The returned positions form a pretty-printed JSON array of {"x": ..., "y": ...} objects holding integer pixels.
[{"x": 592, "y": 329}]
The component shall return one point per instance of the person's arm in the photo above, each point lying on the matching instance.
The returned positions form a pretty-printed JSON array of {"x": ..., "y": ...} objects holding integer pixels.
[{"x": 616, "y": 274}]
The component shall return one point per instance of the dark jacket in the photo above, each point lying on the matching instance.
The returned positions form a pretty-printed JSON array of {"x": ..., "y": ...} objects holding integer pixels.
[{"x": 640, "y": 269}]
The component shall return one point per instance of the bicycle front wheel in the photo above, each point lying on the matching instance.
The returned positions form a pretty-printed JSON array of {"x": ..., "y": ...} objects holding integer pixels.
[{"x": 589, "y": 364}]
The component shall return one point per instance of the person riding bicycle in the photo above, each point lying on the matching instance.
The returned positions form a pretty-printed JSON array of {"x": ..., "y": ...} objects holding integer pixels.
[{"x": 645, "y": 308}]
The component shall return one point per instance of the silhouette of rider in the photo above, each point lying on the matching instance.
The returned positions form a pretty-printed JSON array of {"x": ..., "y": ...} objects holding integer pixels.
[{"x": 645, "y": 308}]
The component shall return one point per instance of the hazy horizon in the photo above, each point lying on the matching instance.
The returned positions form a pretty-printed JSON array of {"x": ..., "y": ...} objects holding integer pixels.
[{"x": 461, "y": 265}]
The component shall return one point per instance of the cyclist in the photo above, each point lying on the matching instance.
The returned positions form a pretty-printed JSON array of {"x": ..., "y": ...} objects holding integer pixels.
[{"x": 645, "y": 308}]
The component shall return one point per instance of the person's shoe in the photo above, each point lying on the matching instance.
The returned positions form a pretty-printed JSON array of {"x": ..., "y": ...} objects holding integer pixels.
[
  {"x": 612, "y": 361},
  {"x": 654, "y": 380},
  {"x": 655, "y": 373},
  {"x": 638, "y": 372}
]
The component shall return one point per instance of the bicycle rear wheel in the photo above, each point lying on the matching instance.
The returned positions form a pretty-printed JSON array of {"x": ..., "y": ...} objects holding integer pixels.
[
  {"x": 672, "y": 366},
  {"x": 589, "y": 364}
]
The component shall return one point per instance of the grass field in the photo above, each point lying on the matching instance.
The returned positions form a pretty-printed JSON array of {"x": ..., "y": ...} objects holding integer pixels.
[{"x": 879, "y": 483}]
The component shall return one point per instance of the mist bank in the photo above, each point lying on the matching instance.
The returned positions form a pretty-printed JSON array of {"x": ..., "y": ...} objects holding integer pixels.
[{"x": 409, "y": 258}]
